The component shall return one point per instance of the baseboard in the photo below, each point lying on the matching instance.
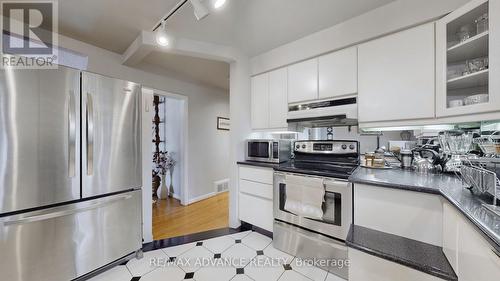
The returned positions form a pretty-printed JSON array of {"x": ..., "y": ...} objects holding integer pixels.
[
  {"x": 202, "y": 197},
  {"x": 189, "y": 238},
  {"x": 248, "y": 226}
]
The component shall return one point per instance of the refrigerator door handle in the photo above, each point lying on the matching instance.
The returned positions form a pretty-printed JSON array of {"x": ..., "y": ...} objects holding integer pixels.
[
  {"x": 90, "y": 135},
  {"x": 71, "y": 135},
  {"x": 65, "y": 212}
]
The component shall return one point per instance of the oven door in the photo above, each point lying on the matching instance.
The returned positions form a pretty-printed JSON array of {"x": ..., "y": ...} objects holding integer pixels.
[
  {"x": 337, "y": 207},
  {"x": 259, "y": 150}
]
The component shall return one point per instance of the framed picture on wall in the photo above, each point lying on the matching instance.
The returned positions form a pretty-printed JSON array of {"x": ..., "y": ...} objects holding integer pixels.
[{"x": 223, "y": 123}]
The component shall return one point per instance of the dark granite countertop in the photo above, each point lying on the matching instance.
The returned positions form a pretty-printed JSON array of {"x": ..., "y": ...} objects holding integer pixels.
[
  {"x": 258, "y": 164},
  {"x": 448, "y": 186},
  {"x": 412, "y": 253}
]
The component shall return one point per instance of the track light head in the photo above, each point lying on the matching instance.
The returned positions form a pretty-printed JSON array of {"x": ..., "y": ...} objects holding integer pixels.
[
  {"x": 200, "y": 10},
  {"x": 219, "y": 3},
  {"x": 162, "y": 36}
]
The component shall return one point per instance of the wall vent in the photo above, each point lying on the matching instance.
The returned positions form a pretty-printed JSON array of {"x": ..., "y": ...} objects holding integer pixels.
[{"x": 221, "y": 185}]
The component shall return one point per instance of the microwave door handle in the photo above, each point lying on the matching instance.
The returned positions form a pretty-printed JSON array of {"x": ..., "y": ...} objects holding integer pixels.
[{"x": 270, "y": 151}]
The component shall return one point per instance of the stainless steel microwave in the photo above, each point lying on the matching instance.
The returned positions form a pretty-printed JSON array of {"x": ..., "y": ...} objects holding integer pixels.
[{"x": 272, "y": 151}]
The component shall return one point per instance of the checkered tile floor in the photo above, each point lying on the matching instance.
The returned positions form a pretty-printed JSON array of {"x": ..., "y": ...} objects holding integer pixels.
[{"x": 236, "y": 257}]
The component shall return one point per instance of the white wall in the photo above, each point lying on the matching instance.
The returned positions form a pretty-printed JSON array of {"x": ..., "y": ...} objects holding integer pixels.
[
  {"x": 208, "y": 147},
  {"x": 173, "y": 131},
  {"x": 240, "y": 128},
  {"x": 205, "y": 104},
  {"x": 387, "y": 19}
]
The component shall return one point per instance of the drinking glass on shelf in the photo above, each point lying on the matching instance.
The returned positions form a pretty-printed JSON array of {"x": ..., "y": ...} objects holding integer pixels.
[
  {"x": 482, "y": 23},
  {"x": 465, "y": 32},
  {"x": 477, "y": 64}
]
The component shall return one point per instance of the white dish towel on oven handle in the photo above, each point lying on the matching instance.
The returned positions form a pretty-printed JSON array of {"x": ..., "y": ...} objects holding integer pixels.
[{"x": 305, "y": 196}]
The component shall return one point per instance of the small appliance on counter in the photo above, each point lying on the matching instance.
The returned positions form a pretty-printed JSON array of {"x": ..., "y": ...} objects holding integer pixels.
[
  {"x": 426, "y": 161},
  {"x": 268, "y": 150}
]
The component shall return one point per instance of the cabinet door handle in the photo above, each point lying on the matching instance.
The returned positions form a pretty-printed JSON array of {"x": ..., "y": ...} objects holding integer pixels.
[{"x": 65, "y": 211}]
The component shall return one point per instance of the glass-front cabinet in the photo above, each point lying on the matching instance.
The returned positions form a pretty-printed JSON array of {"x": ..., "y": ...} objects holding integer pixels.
[{"x": 468, "y": 60}]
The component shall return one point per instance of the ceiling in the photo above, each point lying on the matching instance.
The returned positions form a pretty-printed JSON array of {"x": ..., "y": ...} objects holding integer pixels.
[
  {"x": 254, "y": 26},
  {"x": 204, "y": 71}
]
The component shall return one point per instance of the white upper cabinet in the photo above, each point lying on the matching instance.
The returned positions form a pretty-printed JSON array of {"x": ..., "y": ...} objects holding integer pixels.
[
  {"x": 303, "y": 81},
  {"x": 278, "y": 98},
  {"x": 396, "y": 76},
  {"x": 269, "y": 100},
  {"x": 464, "y": 40},
  {"x": 338, "y": 73},
  {"x": 260, "y": 101}
]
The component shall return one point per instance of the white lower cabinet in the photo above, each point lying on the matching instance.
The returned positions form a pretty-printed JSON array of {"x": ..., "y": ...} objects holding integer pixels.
[
  {"x": 257, "y": 211},
  {"x": 399, "y": 212},
  {"x": 256, "y": 196},
  {"x": 365, "y": 267},
  {"x": 469, "y": 253}
]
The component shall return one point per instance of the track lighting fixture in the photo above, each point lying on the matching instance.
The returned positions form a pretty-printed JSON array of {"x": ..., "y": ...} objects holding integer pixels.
[
  {"x": 161, "y": 35},
  {"x": 200, "y": 10},
  {"x": 219, "y": 3}
]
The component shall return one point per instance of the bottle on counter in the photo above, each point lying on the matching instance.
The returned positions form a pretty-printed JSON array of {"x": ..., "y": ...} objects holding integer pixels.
[{"x": 369, "y": 159}]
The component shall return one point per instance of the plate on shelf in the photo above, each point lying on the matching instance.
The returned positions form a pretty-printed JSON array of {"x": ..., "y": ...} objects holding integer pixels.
[{"x": 475, "y": 99}]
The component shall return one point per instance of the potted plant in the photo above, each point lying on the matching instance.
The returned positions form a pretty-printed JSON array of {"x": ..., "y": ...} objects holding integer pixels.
[{"x": 164, "y": 163}]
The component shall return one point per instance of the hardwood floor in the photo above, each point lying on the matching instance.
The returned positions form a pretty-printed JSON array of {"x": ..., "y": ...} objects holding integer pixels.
[{"x": 171, "y": 219}]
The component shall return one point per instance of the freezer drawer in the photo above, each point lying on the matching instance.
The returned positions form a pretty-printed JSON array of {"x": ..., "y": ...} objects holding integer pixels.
[
  {"x": 39, "y": 137},
  {"x": 59, "y": 244},
  {"x": 111, "y": 126}
]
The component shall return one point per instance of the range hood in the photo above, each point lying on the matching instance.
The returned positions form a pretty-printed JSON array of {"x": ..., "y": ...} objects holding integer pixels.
[{"x": 329, "y": 113}]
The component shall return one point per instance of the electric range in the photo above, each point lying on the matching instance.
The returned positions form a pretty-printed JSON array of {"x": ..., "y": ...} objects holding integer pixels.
[{"x": 317, "y": 165}]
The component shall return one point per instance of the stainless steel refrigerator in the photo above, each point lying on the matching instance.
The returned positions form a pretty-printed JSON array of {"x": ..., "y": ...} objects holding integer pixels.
[{"x": 70, "y": 173}]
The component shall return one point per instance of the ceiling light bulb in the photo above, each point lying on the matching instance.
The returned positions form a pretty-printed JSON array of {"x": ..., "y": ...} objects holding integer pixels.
[
  {"x": 161, "y": 35},
  {"x": 219, "y": 3},
  {"x": 200, "y": 11}
]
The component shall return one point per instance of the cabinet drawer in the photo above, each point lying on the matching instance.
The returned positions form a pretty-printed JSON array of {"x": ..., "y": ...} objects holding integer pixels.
[
  {"x": 257, "y": 211},
  {"x": 257, "y": 189},
  {"x": 367, "y": 267},
  {"x": 257, "y": 174},
  {"x": 63, "y": 243}
]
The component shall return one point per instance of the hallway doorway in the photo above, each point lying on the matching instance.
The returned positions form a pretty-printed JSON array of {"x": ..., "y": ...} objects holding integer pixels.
[{"x": 169, "y": 210}]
